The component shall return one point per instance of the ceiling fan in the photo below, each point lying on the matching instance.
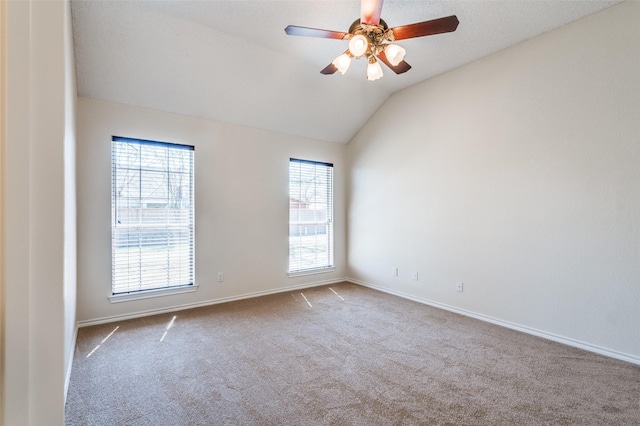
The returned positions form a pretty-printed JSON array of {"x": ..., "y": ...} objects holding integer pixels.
[{"x": 369, "y": 36}]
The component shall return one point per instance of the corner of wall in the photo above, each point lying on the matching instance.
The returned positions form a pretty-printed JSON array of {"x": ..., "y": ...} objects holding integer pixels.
[
  {"x": 70, "y": 203},
  {"x": 3, "y": 60}
]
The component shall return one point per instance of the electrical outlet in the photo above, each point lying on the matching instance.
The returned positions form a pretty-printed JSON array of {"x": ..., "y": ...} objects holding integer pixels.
[
  {"x": 459, "y": 285},
  {"x": 220, "y": 277},
  {"x": 395, "y": 272},
  {"x": 415, "y": 276}
]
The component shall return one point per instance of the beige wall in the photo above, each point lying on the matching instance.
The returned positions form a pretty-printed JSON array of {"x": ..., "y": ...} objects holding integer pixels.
[
  {"x": 518, "y": 175},
  {"x": 39, "y": 211},
  {"x": 241, "y": 184},
  {"x": 3, "y": 64},
  {"x": 69, "y": 203}
]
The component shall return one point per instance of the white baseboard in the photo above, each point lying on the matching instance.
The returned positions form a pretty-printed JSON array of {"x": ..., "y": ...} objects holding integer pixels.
[
  {"x": 545, "y": 335},
  {"x": 139, "y": 314}
]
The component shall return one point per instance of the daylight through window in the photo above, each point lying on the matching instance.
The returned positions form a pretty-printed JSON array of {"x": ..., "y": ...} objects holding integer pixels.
[
  {"x": 310, "y": 215},
  {"x": 152, "y": 230}
]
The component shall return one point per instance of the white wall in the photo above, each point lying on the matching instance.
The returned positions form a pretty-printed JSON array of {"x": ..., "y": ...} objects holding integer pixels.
[
  {"x": 242, "y": 203},
  {"x": 3, "y": 65},
  {"x": 518, "y": 175},
  {"x": 39, "y": 203},
  {"x": 70, "y": 236}
]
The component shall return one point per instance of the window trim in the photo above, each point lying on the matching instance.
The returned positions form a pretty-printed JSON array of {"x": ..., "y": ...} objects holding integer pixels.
[
  {"x": 143, "y": 293},
  {"x": 151, "y": 293},
  {"x": 329, "y": 221},
  {"x": 314, "y": 271}
]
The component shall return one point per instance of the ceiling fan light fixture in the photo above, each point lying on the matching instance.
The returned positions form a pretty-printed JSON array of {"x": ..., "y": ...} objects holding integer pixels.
[
  {"x": 358, "y": 45},
  {"x": 342, "y": 62},
  {"x": 369, "y": 36},
  {"x": 395, "y": 54},
  {"x": 374, "y": 70}
]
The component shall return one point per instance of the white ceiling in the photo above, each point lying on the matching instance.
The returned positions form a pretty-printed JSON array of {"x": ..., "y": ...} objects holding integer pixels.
[{"x": 232, "y": 61}]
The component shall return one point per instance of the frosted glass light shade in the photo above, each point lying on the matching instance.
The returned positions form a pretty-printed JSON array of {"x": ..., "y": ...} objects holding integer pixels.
[
  {"x": 342, "y": 62},
  {"x": 374, "y": 71},
  {"x": 395, "y": 54},
  {"x": 358, "y": 45}
]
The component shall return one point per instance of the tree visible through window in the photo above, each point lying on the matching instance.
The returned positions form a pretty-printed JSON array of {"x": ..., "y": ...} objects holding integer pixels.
[
  {"x": 152, "y": 215},
  {"x": 310, "y": 215}
]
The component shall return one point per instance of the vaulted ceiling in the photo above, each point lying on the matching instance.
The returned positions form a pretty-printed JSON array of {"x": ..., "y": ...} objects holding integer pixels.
[{"x": 232, "y": 61}]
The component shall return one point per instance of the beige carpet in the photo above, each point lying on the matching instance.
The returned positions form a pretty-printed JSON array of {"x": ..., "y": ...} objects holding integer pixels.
[{"x": 338, "y": 355}]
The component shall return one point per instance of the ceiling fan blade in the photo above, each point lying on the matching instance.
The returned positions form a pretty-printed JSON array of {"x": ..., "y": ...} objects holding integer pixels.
[
  {"x": 329, "y": 69},
  {"x": 435, "y": 26},
  {"x": 370, "y": 11},
  {"x": 313, "y": 32},
  {"x": 398, "y": 69}
]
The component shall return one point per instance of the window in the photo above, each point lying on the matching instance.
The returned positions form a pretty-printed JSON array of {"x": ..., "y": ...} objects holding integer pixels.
[
  {"x": 310, "y": 216},
  {"x": 152, "y": 230}
]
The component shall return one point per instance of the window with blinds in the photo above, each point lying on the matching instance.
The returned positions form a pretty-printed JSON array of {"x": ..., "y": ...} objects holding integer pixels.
[
  {"x": 310, "y": 215},
  {"x": 152, "y": 230}
]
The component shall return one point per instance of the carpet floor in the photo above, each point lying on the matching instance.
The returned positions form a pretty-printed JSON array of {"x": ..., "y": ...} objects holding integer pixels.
[{"x": 338, "y": 355}]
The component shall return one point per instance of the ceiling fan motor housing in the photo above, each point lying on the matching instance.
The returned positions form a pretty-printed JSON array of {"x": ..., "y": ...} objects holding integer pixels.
[{"x": 377, "y": 35}]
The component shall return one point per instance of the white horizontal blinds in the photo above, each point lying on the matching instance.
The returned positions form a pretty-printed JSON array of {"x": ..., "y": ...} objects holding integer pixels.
[
  {"x": 153, "y": 215},
  {"x": 310, "y": 215}
]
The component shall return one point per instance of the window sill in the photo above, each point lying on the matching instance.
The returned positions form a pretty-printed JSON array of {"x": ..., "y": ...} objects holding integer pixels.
[
  {"x": 311, "y": 272},
  {"x": 147, "y": 294}
]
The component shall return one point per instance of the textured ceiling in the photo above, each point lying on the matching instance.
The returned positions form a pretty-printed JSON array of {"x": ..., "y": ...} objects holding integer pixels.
[{"x": 232, "y": 61}]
